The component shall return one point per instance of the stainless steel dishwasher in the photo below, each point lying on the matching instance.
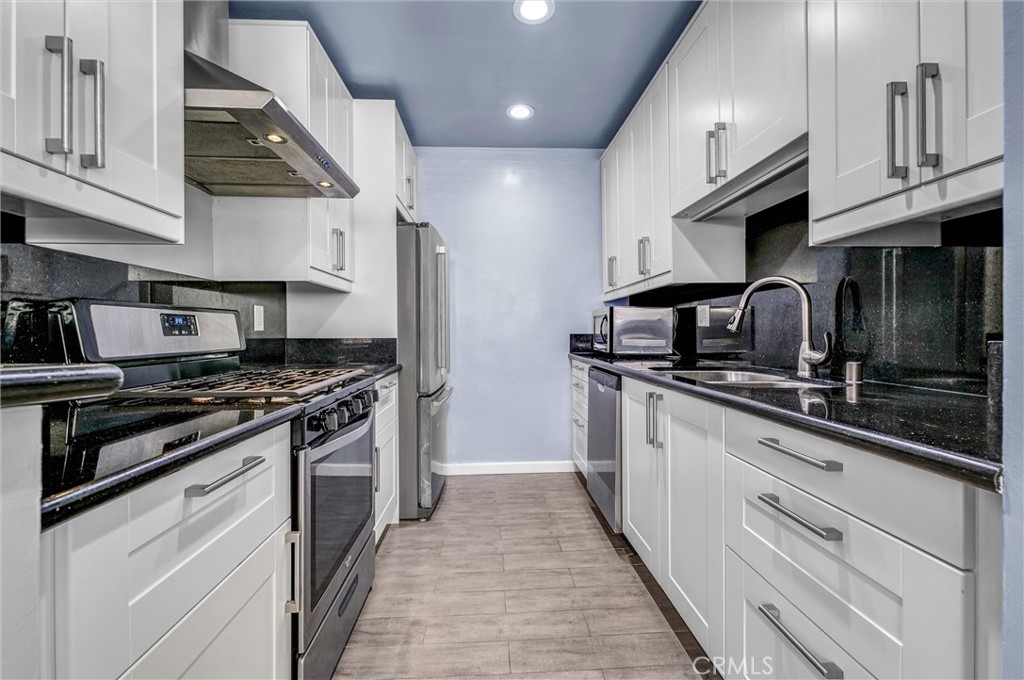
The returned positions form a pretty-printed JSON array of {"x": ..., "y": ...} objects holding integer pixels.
[{"x": 604, "y": 457}]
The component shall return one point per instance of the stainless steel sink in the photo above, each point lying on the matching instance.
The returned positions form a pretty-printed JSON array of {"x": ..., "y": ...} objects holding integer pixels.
[{"x": 744, "y": 379}]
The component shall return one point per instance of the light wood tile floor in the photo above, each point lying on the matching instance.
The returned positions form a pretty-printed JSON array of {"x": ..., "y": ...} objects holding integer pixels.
[{"x": 513, "y": 577}]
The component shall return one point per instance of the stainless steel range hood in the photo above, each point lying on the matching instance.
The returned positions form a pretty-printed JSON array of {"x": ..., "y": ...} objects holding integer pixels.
[{"x": 241, "y": 140}]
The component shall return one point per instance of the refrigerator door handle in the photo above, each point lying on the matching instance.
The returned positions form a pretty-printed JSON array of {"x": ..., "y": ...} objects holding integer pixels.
[
  {"x": 445, "y": 396},
  {"x": 442, "y": 308}
]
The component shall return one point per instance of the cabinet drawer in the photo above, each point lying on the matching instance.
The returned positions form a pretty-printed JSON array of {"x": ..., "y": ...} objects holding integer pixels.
[
  {"x": 932, "y": 512},
  {"x": 875, "y": 596},
  {"x": 756, "y": 647},
  {"x": 580, "y": 395},
  {"x": 387, "y": 405},
  {"x": 580, "y": 370}
]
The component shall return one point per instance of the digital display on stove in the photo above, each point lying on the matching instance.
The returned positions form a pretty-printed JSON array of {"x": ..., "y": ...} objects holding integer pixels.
[{"x": 179, "y": 324}]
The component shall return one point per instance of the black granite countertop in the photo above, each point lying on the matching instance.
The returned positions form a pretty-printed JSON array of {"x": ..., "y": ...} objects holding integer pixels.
[
  {"x": 120, "y": 445},
  {"x": 22, "y": 384},
  {"x": 951, "y": 433}
]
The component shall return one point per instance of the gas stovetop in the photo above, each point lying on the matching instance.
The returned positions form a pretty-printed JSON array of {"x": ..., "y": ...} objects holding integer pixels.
[{"x": 284, "y": 384}]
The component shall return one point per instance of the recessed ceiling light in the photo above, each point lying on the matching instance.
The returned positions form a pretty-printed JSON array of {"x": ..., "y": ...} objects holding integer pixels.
[
  {"x": 519, "y": 111},
  {"x": 533, "y": 11},
  {"x": 325, "y": 184},
  {"x": 275, "y": 138}
]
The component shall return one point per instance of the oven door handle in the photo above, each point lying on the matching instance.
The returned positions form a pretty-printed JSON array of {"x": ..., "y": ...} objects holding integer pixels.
[{"x": 340, "y": 438}]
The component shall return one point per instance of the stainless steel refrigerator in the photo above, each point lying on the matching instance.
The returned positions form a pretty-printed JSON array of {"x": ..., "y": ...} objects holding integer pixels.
[{"x": 424, "y": 351}]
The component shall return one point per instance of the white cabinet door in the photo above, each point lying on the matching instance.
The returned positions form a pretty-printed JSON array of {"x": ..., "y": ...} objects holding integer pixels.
[
  {"x": 610, "y": 217},
  {"x": 321, "y": 72},
  {"x": 640, "y": 471},
  {"x": 641, "y": 153},
  {"x": 941, "y": 84},
  {"x": 234, "y": 632},
  {"x": 30, "y": 81},
  {"x": 660, "y": 232},
  {"x": 385, "y": 500},
  {"x": 862, "y": 58},
  {"x": 984, "y": 80},
  {"x": 579, "y": 442},
  {"x": 762, "y": 78},
  {"x": 688, "y": 495},
  {"x": 693, "y": 109},
  {"x": 627, "y": 247},
  {"x": 406, "y": 169},
  {"x": 412, "y": 169}
]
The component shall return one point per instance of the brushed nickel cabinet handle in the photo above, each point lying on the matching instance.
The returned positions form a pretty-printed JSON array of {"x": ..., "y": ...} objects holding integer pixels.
[
  {"x": 710, "y": 179},
  {"x": 200, "y": 490},
  {"x": 376, "y": 469},
  {"x": 824, "y": 533},
  {"x": 826, "y": 669},
  {"x": 64, "y": 46},
  {"x": 96, "y": 67},
  {"x": 611, "y": 271},
  {"x": 825, "y": 465},
  {"x": 720, "y": 160},
  {"x": 925, "y": 71},
  {"x": 893, "y": 89}
]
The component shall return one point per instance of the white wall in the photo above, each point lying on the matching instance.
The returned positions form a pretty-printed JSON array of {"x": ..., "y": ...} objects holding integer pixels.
[
  {"x": 523, "y": 229},
  {"x": 371, "y": 309}
]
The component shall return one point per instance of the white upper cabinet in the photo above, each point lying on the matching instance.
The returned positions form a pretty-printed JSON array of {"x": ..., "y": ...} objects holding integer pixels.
[
  {"x": 406, "y": 171},
  {"x": 905, "y": 116},
  {"x": 92, "y": 91},
  {"x": 312, "y": 238},
  {"x": 693, "y": 110},
  {"x": 738, "y": 91},
  {"x": 762, "y": 79},
  {"x": 610, "y": 217}
]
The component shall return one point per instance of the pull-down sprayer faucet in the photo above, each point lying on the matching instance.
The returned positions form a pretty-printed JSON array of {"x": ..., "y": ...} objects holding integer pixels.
[{"x": 808, "y": 359}]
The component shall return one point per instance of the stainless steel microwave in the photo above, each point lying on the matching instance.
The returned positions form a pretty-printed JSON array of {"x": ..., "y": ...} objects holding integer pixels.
[{"x": 634, "y": 330}]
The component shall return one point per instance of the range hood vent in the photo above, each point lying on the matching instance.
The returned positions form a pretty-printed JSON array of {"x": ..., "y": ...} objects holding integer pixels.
[
  {"x": 777, "y": 178},
  {"x": 241, "y": 140}
]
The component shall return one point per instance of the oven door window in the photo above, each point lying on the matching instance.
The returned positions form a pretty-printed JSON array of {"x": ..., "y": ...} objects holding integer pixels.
[{"x": 340, "y": 499}]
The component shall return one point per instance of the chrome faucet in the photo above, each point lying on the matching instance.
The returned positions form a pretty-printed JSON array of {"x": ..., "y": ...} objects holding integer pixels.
[{"x": 808, "y": 359}]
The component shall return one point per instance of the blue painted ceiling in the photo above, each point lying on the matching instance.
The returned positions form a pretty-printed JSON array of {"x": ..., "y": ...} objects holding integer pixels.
[{"x": 455, "y": 66}]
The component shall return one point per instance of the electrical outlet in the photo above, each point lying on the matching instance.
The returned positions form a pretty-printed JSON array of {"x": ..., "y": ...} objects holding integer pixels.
[{"x": 257, "y": 318}]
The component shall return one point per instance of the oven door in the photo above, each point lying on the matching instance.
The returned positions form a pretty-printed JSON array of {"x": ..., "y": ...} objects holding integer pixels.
[{"x": 335, "y": 517}]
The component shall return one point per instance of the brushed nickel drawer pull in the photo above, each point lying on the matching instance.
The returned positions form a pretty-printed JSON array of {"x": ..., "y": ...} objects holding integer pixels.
[
  {"x": 200, "y": 490},
  {"x": 825, "y": 465},
  {"x": 826, "y": 669},
  {"x": 824, "y": 533}
]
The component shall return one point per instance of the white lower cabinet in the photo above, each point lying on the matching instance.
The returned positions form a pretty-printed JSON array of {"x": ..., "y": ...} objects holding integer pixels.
[
  {"x": 385, "y": 476},
  {"x": 578, "y": 414},
  {"x": 234, "y": 632},
  {"x": 159, "y": 583},
  {"x": 672, "y": 513},
  {"x": 789, "y": 555}
]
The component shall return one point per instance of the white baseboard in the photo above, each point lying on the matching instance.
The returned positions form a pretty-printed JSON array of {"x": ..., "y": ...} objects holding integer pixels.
[{"x": 513, "y": 468}]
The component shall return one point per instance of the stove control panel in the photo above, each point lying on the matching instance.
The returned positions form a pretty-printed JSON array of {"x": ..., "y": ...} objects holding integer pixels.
[{"x": 179, "y": 324}]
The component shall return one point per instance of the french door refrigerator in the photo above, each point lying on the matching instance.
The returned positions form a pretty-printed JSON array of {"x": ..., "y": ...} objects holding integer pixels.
[{"x": 424, "y": 351}]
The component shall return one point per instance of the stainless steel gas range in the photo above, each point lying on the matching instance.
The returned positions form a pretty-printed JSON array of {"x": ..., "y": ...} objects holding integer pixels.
[{"x": 183, "y": 376}]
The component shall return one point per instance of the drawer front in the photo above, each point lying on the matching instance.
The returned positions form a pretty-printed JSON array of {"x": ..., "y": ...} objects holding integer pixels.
[
  {"x": 878, "y": 598},
  {"x": 929, "y": 511},
  {"x": 580, "y": 393},
  {"x": 387, "y": 405},
  {"x": 580, "y": 370},
  {"x": 758, "y": 620}
]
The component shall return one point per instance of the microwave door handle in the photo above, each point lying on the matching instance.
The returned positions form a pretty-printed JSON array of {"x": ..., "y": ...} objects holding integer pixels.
[{"x": 603, "y": 331}]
